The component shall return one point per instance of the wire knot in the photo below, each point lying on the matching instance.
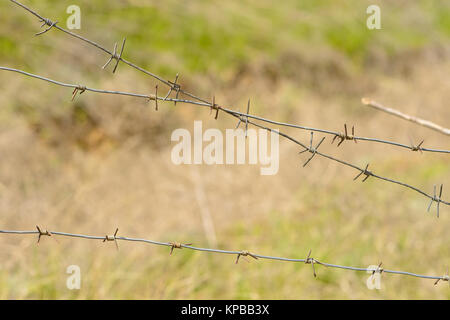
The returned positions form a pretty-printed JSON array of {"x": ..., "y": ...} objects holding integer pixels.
[
  {"x": 215, "y": 106},
  {"x": 177, "y": 245},
  {"x": 366, "y": 172},
  {"x": 310, "y": 260},
  {"x": 418, "y": 147},
  {"x": 245, "y": 253},
  {"x": 174, "y": 86},
  {"x": 345, "y": 136},
  {"x": 445, "y": 277},
  {"x": 312, "y": 150},
  {"x": 112, "y": 238},
  {"x": 47, "y": 22},
  {"x": 116, "y": 56},
  {"x": 80, "y": 88},
  {"x": 436, "y": 198},
  {"x": 244, "y": 118},
  {"x": 379, "y": 269},
  {"x": 42, "y": 233}
]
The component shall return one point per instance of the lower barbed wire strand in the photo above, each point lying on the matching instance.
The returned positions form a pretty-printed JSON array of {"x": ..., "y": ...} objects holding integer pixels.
[{"x": 219, "y": 251}]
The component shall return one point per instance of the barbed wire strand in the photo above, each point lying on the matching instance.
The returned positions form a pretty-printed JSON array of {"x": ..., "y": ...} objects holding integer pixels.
[
  {"x": 173, "y": 86},
  {"x": 243, "y": 118},
  {"x": 176, "y": 245}
]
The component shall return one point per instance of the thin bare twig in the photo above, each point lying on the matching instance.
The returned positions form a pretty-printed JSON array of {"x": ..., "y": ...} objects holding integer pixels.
[{"x": 422, "y": 122}]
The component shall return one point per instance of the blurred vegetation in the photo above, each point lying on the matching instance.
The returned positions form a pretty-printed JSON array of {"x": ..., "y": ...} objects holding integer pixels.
[
  {"x": 100, "y": 161},
  {"x": 205, "y": 36}
]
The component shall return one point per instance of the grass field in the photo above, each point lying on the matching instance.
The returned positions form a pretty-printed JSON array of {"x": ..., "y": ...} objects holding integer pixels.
[{"x": 103, "y": 162}]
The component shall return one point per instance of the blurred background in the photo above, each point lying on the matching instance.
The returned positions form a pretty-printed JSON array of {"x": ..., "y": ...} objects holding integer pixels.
[{"x": 103, "y": 162}]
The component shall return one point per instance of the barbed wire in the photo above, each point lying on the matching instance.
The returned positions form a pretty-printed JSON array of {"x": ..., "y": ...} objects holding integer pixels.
[
  {"x": 40, "y": 232},
  {"x": 243, "y": 117},
  {"x": 174, "y": 86}
]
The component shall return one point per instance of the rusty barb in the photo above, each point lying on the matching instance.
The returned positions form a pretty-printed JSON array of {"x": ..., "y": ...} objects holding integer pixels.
[
  {"x": 42, "y": 233},
  {"x": 244, "y": 254},
  {"x": 418, "y": 147},
  {"x": 151, "y": 97},
  {"x": 345, "y": 136},
  {"x": 445, "y": 277},
  {"x": 174, "y": 86},
  {"x": 215, "y": 106},
  {"x": 379, "y": 269},
  {"x": 112, "y": 238},
  {"x": 311, "y": 149},
  {"x": 47, "y": 22},
  {"x": 116, "y": 56},
  {"x": 79, "y": 89},
  {"x": 177, "y": 245},
  {"x": 436, "y": 198}
]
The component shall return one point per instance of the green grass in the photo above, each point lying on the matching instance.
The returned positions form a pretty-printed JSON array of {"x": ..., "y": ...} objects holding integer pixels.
[{"x": 204, "y": 36}]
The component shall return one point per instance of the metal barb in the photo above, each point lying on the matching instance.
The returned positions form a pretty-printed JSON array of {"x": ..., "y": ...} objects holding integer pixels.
[
  {"x": 436, "y": 198},
  {"x": 366, "y": 172},
  {"x": 239, "y": 122},
  {"x": 378, "y": 269},
  {"x": 47, "y": 22},
  {"x": 42, "y": 233},
  {"x": 345, "y": 136},
  {"x": 246, "y": 118},
  {"x": 312, "y": 150},
  {"x": 115, "y": 56},
  {"x": 112, "y": 238},
  {"x": 215, "y": 106},
  {"x": 173, "y": 86},
  {"x": 79, "y": 89},
  {"x": 418, "y": 147},
  {"x": 177, "y": 245},
  {"x": 445, "y": 277},
  {"x": 245, "y": 253},
  {"x": 311, "y": 261}
]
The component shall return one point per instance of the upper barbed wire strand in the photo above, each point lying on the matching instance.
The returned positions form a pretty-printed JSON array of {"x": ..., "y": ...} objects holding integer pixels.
[
  {"x": 180, "y": 90},
  {"x": 238, "y": 115}
]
